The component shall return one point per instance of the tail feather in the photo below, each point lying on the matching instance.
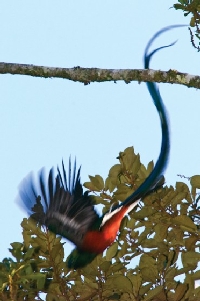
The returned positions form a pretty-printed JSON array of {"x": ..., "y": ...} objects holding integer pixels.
[{"x": 156, "y": 175}]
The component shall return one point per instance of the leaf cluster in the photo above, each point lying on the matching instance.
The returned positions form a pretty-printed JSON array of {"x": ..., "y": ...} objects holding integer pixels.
[
  {"x": 191, "y": 7},
  {"x": 155, "y": 256}
]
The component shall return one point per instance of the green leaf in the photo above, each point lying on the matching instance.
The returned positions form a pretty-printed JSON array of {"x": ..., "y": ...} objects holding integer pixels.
[
  {"x": 111, "y": 251},
  {"x": 185, "y": 223},
  {"x": 161, "y": 232},
  {"x": 178, "y": 6},
  {"x": 105, "y": 266},
  {"x": 117, "y": 266},
  {"x": 190, "y": 259},
  {"x": 97, "y": 181},
  {"x": 149, "y": 274},
  {"x": 90, "y": 186},
  {"x": 16, "y": 251},
  {"x": 127, "y": 158},
  {"x": 110, "y": 184},
  {"x": 192, "y": 22},
  {"x": 175, "y": 236},
  {"x": 190, "y": 242},
  {"x": 115, "y": 171},
  {"x": 142, "y": 173},
  {"x": 29, "y": 253},
  {"x": 29, "y": 224},
  {"x": 124, "y": 223},
  {"x": 137, "y": 165},
  {"x": 136, "y": 282},
  {"x": 182, "y": 187},
  {"x": 131, "y": 223},
  {"x": 52, "y": 297},
  {"x": 172, "y": 257},
  {"x": 144, "y": 289},
  {"x": 57, "y": 248},
  {"x": 149, "y": 243},
  {"x": 170, "y": 274},
  {"x": 145, "y": 212},
  {"x": 152, "y": 294},
  {"x": 41, "y": 282},
  {"x": 150, "y": 167},
  {"x": 39, "y": 242},
  {"x": 91, "y": 284},
  {"x": 195, "y": 183},
  {"x": 148, "y": 268},
  {"x": 119, "y": 282},
  {"x": 17, "y": 245},
  {"x": 180, "y": 291},
  {"x": 122, "y": 192}
]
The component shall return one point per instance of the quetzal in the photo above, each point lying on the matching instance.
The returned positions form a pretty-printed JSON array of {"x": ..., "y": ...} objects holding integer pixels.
[{"x": 61, "y": 205}]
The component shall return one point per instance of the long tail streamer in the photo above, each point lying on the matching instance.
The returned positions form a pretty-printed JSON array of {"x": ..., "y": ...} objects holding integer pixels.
[{"x": 162, "y": 161}]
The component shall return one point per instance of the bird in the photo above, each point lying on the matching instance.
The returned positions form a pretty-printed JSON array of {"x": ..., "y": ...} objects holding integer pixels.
[{"x": 60, "y": 204}]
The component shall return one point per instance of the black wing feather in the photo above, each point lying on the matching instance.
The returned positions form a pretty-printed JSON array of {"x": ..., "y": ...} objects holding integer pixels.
[{"x": 59, "y": 204}]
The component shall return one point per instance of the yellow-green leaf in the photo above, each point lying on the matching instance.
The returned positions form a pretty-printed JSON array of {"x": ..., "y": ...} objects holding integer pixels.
[
  {"x": 105, "y": 266},
  {"x": 180, "y": 291},
  {"x": 115, "y": 171},
  {"x": 137, "y": 282},
  {"x": 185, "y": 222},
  {"x": 151, "y": 295},
  {"x": 96, "y": 184},
  {"x": 90, "y": 186},
  {"x": 119, "y": 282},
  {"x": 110, "y": 184},
  {"x": 190, "y": 259},
  {"x": 195, "y": 181},
  {"x": 111, "y": 251}
]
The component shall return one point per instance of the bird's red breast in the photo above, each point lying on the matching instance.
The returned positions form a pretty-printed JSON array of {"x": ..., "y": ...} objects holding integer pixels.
[{"x": 97, "y": 241}]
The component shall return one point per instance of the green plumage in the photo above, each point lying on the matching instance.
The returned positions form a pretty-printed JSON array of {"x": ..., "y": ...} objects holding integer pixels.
[{"x": 79, "y": 259}]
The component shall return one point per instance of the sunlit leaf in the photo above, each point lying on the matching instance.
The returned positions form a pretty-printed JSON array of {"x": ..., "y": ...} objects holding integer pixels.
[
  {"x": 182, "y": 187},
  {"x": 128, "y": 158},
  {"x": 97, "y": 181},
  {"x": 150, "y": 167},
  {"x": 195, "y": 183},
  {"x": 115, "y": 171},
  {"x": 110, "y": 183},
  {"x": 90, "y": 186}
]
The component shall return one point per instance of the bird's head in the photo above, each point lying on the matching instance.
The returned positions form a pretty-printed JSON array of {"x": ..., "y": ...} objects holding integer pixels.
[{"x": 79, "y": 259}]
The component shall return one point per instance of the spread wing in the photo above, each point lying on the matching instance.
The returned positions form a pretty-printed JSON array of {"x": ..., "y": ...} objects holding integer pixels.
[{"x": 59, "y": 203}]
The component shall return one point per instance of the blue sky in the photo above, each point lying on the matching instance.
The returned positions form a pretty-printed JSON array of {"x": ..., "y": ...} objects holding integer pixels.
[{"x": 45, "y": 120}]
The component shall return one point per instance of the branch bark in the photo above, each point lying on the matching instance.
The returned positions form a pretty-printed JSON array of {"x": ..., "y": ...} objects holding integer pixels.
[{"x": 88, "y": 75}]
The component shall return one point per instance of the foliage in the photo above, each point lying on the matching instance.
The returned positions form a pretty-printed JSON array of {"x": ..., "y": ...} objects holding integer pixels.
[
  {"x": 161, "y": 235},
  {"x": 191, "y": 7}
]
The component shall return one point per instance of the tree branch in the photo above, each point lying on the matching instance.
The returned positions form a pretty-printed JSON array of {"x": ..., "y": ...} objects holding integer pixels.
[{"x": 88, "y": 75}]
